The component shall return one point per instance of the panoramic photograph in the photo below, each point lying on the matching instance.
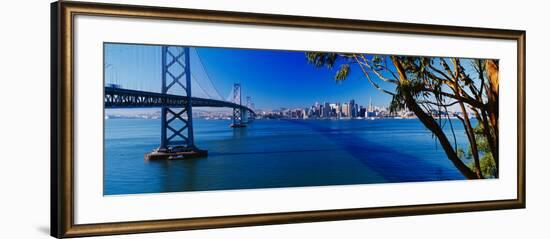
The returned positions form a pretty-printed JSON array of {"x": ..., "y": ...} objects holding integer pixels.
[{"x": 191, "y": 118}]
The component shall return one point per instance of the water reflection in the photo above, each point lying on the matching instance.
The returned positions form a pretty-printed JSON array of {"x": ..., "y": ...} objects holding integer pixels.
[{"x": 239, "y": 133}]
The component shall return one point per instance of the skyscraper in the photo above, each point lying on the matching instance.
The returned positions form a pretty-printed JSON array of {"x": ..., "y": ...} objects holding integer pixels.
[
  {"x": 352, "y": 109},
  {"x": 371, "y": 108},
  {"x": 327, "y": 112},
  {"x": 362, "y": 112},
  {"x": 345, "y": 110},
  {"x": 317, "y": 111}
]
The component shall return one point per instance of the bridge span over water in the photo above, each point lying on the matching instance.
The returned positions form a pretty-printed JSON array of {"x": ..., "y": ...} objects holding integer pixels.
[{"x": 177, "y": 137}]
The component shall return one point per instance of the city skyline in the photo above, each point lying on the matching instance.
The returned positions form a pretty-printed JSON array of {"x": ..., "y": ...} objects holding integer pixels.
[{"x": 336, "y": 110}]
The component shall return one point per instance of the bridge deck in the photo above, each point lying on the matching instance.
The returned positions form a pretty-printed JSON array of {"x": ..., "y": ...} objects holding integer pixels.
[{"x": 125, "y": 98}]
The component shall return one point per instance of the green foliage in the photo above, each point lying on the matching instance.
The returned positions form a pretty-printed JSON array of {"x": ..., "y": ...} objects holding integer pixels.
[
  {"x": 414, "y": 87},
  {"x": 482, "y": 143},
  {"x": 461, "y": 154},
  {"x": 320, "y": 59},
  {"x": 377, "y": 59},
  {"x": 398, "y": 100},
  {"x": 328, "y": 59},
  {"x": 343, "y": 72},
  {"x": 488, "y": 166},
  {"x": 486, "y": 162}
]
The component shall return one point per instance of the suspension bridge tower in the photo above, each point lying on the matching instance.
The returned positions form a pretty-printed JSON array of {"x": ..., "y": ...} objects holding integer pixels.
[
  {"x": 177, "y": 138},
  {"x": 238, "y": 113},
  {"x": 249, "y": 115}
]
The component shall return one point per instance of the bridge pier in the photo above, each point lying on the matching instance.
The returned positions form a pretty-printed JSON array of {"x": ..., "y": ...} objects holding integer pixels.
[
  {"x": 177, "y": 137},
  {"x": 238, "y": 115},
  {"x": 175, "y": 153}
]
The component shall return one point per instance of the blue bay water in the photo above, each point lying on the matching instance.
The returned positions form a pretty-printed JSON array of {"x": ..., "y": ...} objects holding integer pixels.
[{"x": 276, "y": 153}]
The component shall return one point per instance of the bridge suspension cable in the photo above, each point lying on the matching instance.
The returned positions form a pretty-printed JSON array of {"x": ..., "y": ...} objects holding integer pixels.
[
  {"x": 196, "y": 84},
  {"x": 207, "y": 75}
]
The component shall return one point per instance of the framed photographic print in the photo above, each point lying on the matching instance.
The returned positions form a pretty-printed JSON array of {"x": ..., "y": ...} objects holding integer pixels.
[{"x": 172, "y": 119}]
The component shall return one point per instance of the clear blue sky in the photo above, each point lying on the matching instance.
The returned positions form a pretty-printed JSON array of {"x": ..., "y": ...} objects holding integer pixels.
[{"x": 273, "y": 78}]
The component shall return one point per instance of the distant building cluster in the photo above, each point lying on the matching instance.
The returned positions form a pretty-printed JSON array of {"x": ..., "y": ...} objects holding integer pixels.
[
  {"x": 129, "y": 115},
  {"x": 327, "y": 110}
]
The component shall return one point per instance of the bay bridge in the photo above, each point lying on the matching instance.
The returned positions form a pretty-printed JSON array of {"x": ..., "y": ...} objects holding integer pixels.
[{"x": 181, "y": 89}]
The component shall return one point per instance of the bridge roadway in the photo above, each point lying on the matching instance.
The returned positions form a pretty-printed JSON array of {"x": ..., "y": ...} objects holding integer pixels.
[{"x": 125, "y": 98}]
